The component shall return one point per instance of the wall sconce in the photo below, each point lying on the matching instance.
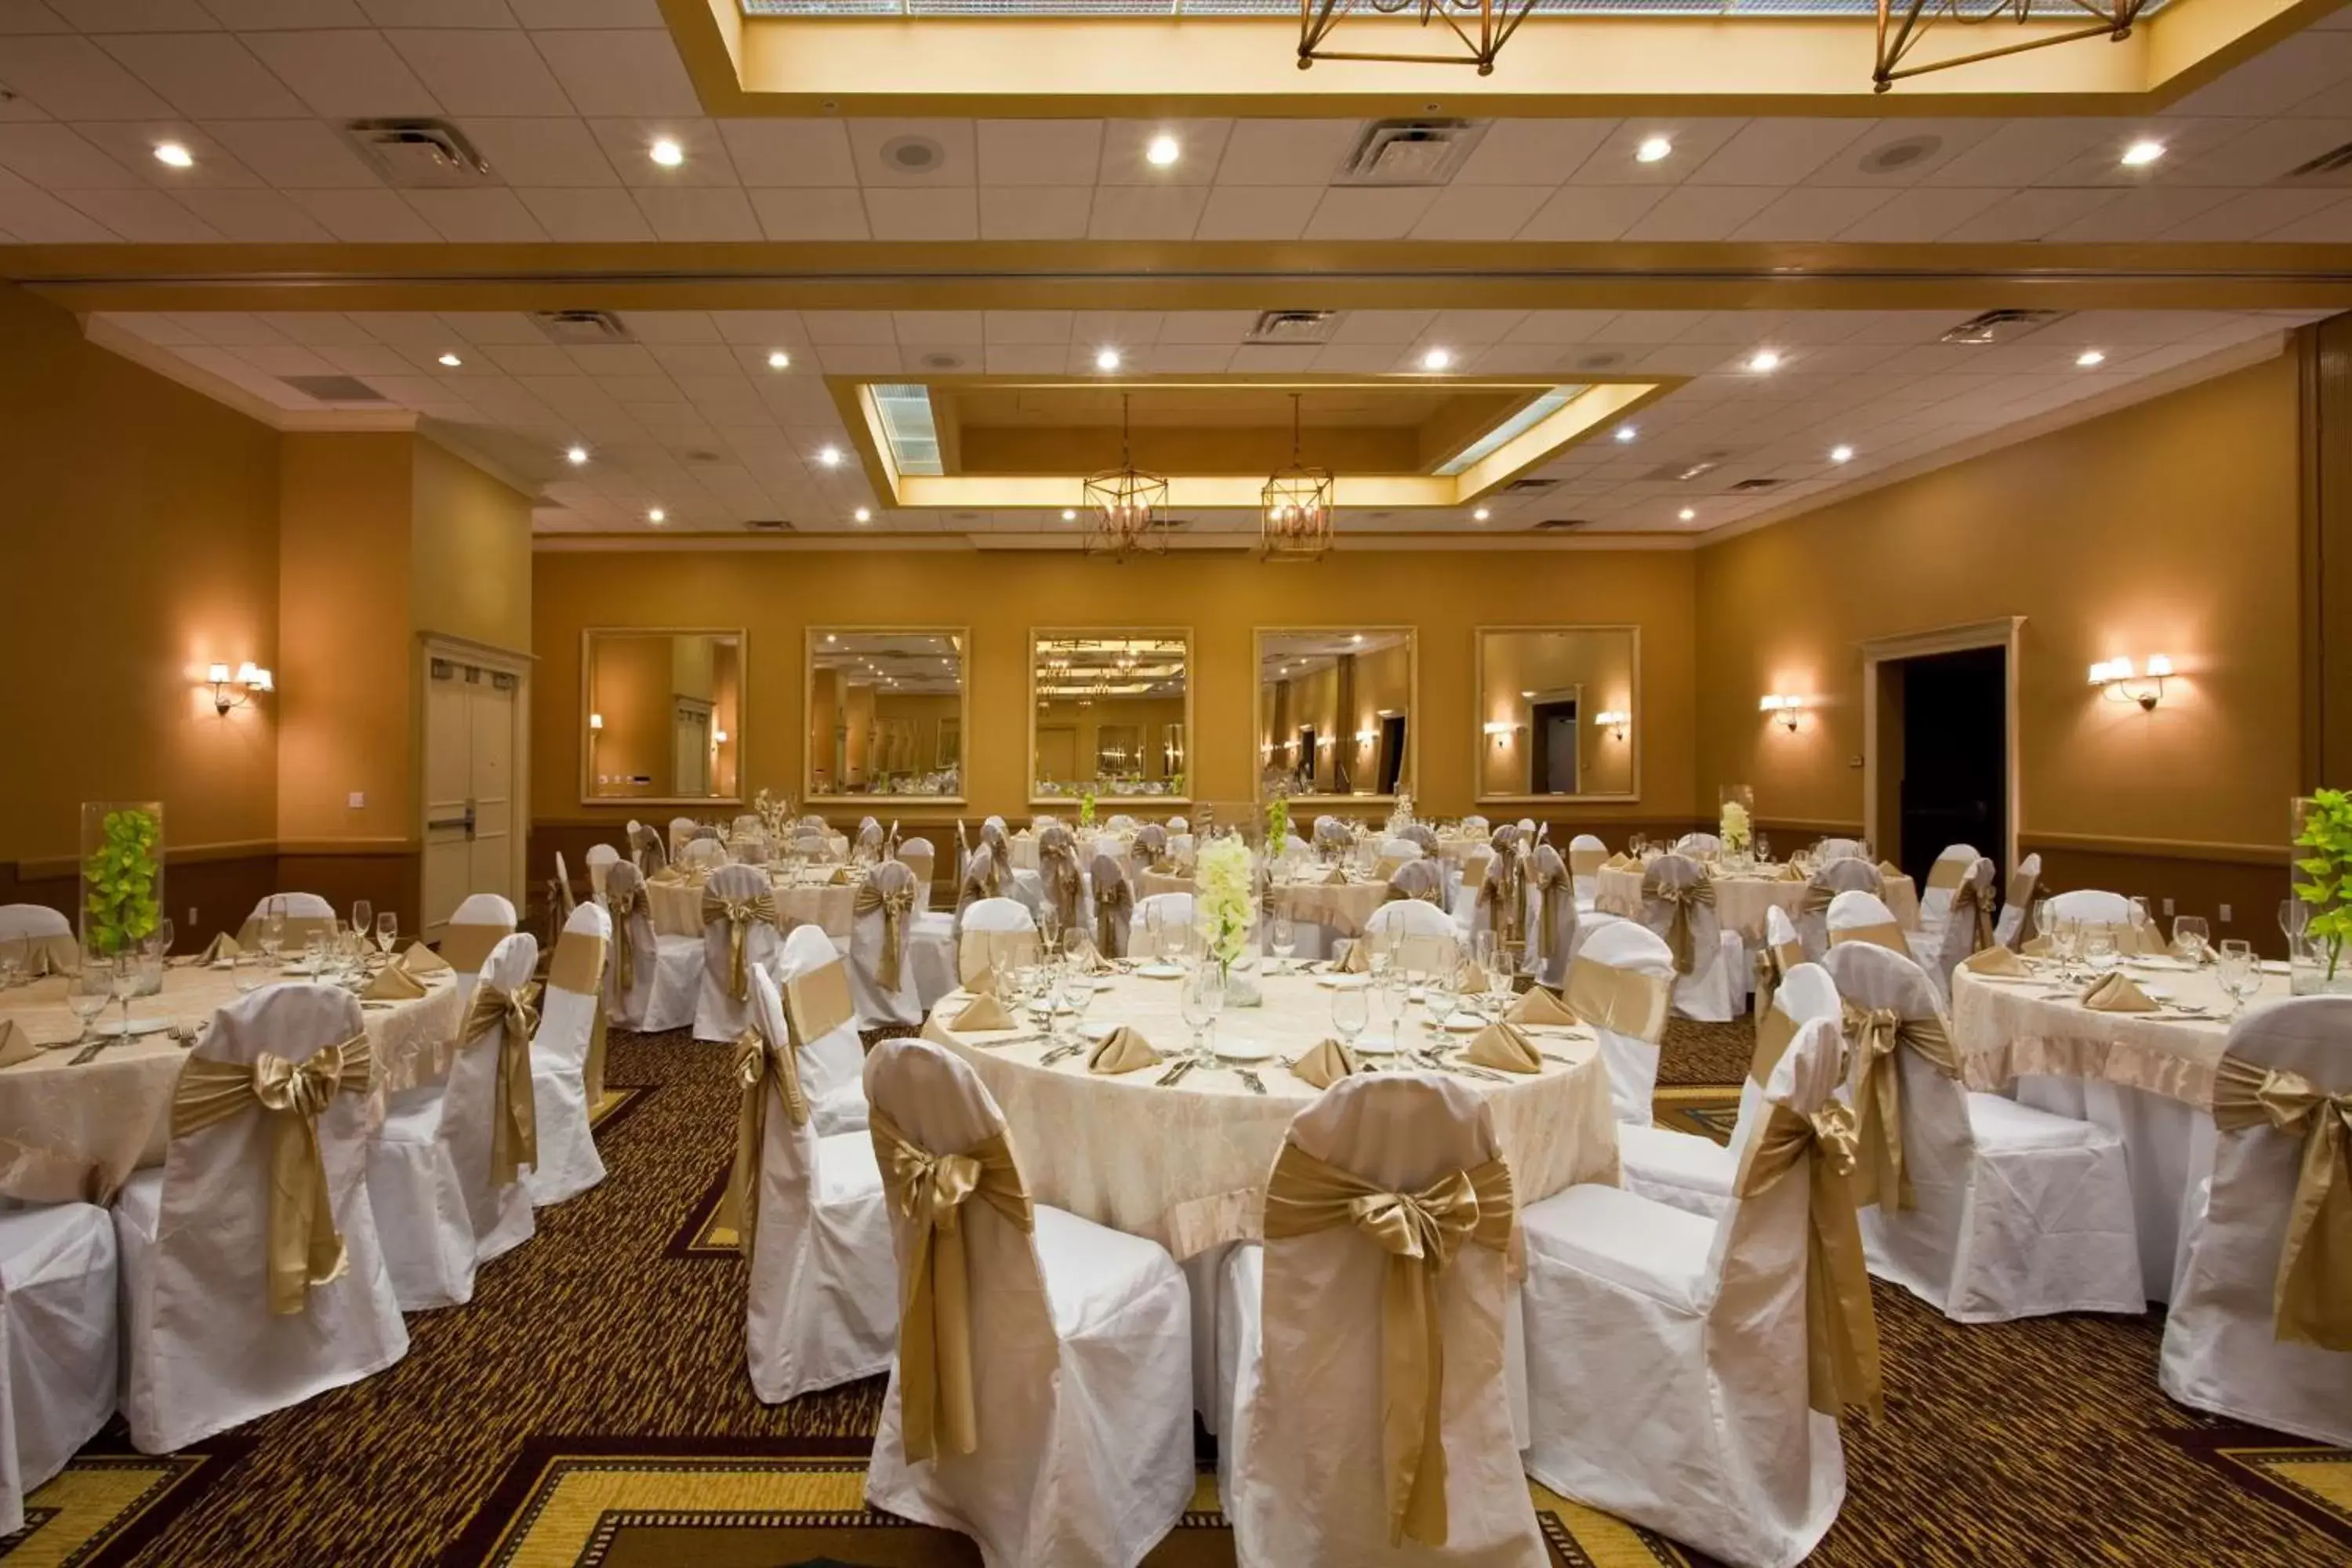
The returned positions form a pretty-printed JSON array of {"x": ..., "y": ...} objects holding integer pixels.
[
  {"x": 1325, "y": 742},
  {"x": 2115, "y": 679},
  {"x": 1501, "y": 730},
  {"x": 1368, "y": 737},
  {"x": 250, "y": 679},
  {"x": 1784, "y": 709},
  {"x": 1614, "y": 721},
  {"x": 717, "y": 737},
  {"x": 595, "y": 722}
]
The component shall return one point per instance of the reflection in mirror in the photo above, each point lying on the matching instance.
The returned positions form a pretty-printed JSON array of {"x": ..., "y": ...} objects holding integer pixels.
[
  {"x": 1557, "y": 711},
  {"x": 886, "y": 713},
  {"x": 1334, "y": 711},
  {"x": 664, "y": 715},
  {"x": 1110, "y": 713}
]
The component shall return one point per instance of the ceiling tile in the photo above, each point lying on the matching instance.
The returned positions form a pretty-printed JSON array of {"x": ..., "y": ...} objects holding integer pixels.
[
  {"x": 544, "y": 152},
  {"x": 1199, "y": 145},
  {"x": 585, "y": 214},
  {"x": 73, "y": 79},
  {"x": 879, "y": 145},
  {"x": 620, "y": 71},
  {"x": 950, "y": 213},
  {"x": 2021, "y": 151},
  {"x": 1612, "y": 160},
  {"x": 1258, "y": 212},
  {"x": 438, "y": 13},
  {"x": 1481, "y": 212},
  {"x": 1142, "y": 212},
  {"x": 205, "y": 74},
  {"x": 810, "y": 214},
  {"x": 697, "y": 213},
  {"x": 365, "y": 217},
  {"x": 1032, "y": 212},
  {"x": 486, "y": 216},
  {"x": 36, "y": 217},
  {"x": 57, "y": 158},
  {"x": 133, "y": 16},
  {"x": 1591, "y": 213},
  {"x": 255, "y": 217},
  {"x": 1920, "y": 214},
  {"x": 473, "y": 72},
  {"x": 1780, "y": 152},
  {"x": 1039, "y": 152},
  {"x": 1813, "y": 213},
  {"x": 1532, "y": 151},
  {"x": 779, "y": 152},
  {"x": 1369, "y": 212},
  {"x": 143, "y": 218},
  {"x": 2255, "y": 215},
  {"x": 132, "y": 143},
  {"x": 587, "y": 13},
  {"x": 1697, "y": 213},
  {"x": 2142, "y": 214},
  {"x": 293, "y": 154},
  {"x": 343, "y": 75},
  {"x": 1286, "y": 152}
]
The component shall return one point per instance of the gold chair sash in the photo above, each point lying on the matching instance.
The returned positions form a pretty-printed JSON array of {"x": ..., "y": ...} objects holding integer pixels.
[
  {"x": 1947, "y": 874},
  {"x": 466, "y": 944},
  {"x": 1587, "y": 862},
  {"x": 1553, "y": 884},
  {"x": 1680, "y": 899},
  {"x": 1622, "y": 1001},
  {"x": 2312, "y": 1297},
  {"x": 1880, "y": 934},
  {"x": 740, "y": 915},
  {"x": 2020, "y": 895},
  {"x": 304, "y": 1248},
  {"x": 759, "y": 1063},
  {"x": 1842, "y": 1369},
  {"x": 935, "y": 1399},
  {"x": 623, "y": 907},
  {"x": 896, "y": 907},
  {"x": 1872, "y": 1035},
  {"x": 1967, "y": 904},
  {"x": 1819, "y": 896},
  {"x": 1421, "y": 1231},
  {"x": 1111, "y": 903},
  {"x": 1502, "y": 895},
  {"x": 514, "y": 1126}
]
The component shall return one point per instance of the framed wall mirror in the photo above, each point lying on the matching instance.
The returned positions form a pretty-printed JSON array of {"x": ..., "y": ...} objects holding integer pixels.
[
  {"x": 1334, "y": 713},
  {"x": 661, "y": 715},
  {"x": 886, "y": 708},
  {"x": 1109, "y": 710},
  {"x": 1557, "y": 713}
]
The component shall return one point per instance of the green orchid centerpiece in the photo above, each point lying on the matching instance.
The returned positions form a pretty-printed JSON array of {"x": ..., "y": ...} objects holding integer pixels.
[
  {"x": 1277, "y": 825},
  {"x": 122, "y": 875},
  {"x": 1086, "y": 808},
  {"x": 2323, "y": 885}
]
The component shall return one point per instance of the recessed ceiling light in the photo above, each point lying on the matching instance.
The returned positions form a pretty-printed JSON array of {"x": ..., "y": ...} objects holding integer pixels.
[
  {"x": 171, "y": 153},
  {"x": 451, "y": 360},
  {"x": 577, "y": 455},
  {"x": 1358, "y": 637},
  {"x": 667, "y": 153},
  {"x": 2090, "y": 357},
  {"x": 1436, "y": 358},
  {"x": 1069, "y": 514},
  {"x": 829, "y": 637},
  {"x": 779, "y": 359},
  {"x": 2141, "y": 154},
  {"x": 1106, "y": 359},
  {"x": 1626, "y": 432},
  {"x": 1654, "y": 150},
  {"x": 1764, "y": 359},
  {"x": 829, "y": 455},
  {"x": 1689, "y": 513},
  {"x": 1841, "y": 454},
  {"x": 1481, "y": 515},
  {"x": 1162, "y": 152},
  {"x": 657, "y": 515}
]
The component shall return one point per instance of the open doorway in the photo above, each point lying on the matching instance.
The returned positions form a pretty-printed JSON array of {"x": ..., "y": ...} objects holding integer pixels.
[
  {"x": 1941, "y": 748},
  {"x": 1558, "y": 769}
]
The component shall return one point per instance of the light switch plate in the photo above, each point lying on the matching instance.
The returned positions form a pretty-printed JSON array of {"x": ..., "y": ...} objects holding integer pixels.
[
  {"x": 2167, "y": 908},
  {"x": 359, "y": 800},
  {"x": 2225, "y": 914}
]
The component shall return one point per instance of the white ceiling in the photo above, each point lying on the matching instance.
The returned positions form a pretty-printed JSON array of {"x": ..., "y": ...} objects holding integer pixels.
[
  {"x": 692, "y": 419},
  {"x": 564, "y": 97}
]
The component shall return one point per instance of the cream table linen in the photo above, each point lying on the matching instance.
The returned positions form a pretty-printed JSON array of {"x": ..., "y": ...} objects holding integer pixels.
[
  {"x": 1741, "y": 901},
  {"x": 678, "y": 907},
  {"x": 1186, "y": 1165},
  {"x": 1344, "y": 908},
  {"x": 68, "y": 1131}
]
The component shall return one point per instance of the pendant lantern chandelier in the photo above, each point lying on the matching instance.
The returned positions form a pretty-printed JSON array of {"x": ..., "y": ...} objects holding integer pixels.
[
  {"x": 1296, "y": 506},
  {"x": 1126, "y": 508}
]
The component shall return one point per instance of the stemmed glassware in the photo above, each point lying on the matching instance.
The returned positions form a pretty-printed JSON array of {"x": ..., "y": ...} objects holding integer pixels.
[
  {"x": 1351, "y": 1009},
  {"x": 159, "y": 941},
  {"x": 89, "y": 992},
  {"x": 387, "y": 932},
  {"x": 273, "y": 934},
  {"x": 1501, "y": 977},
  {"x": 2240, "y": 974},
  {"x": 1285, "y": 940},
  {"x": 2192, "y": 937},
  {"x": 123, "y": 981},
  {"x": 1202, "y": 998},
  {"x": 1439, "y": 996},
  {"x": 2098, "y": 944},
  {"x": 363, "y": 918},
  {"x": 2294, "y": 920}
]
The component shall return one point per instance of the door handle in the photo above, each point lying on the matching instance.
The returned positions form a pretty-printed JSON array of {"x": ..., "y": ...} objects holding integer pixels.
[{"x": 466, "y": 822}]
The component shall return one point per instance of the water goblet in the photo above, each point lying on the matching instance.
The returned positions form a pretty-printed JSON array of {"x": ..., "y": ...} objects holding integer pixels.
[
  {"x": 2098, "y": 944},
  {"x": 1760, "y": 845},
  {"x": 245, "y": 974},
  {"x": 273, "y": 934},
  {"x": 1351, "y": 1009},
  {"x": 1285, "y": 940},
  {"x": 159, "y": 941},
  {"x": 1439, "y": 998},
  {"x": 2192, "y": 937},
  {"x": 1202, "y": 999},
  {"x": 89, "y": 994},
  {"x": 362, "y": 917},
  {"x": 123, "y": 981},
  {"x": 387, "y": 932},
  {"x": 2142, "y": 918},
  {"x": 2294, "y": 920},
  {"x": 2240, "y": 975}
]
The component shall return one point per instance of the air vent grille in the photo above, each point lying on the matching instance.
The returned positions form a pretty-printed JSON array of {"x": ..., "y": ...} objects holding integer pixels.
[
  {"x": 334, "y": 388},
  {"x": 2335, "y": 161},
  {"x": 1409, "y": 153},
  {"x": 1559, "y": 524},
  {"x": 1294, "y": 327},
  {"x": 580, "y": 328},
  {"x": 769, "y": 525},
  {"x": 418, "y": 155},
  {"x": 1685, "y": 470},
  {"x": 2001, "y": 326},
  {"x": 1529, "y": 487},
  {"x": 1756, "y": 487}
]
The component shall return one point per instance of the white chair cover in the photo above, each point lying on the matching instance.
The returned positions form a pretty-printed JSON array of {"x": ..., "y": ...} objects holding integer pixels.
[
  {"x": 2092, "y": 907},
  {"x": 2017, "y": 903},
  {"x": 2223, "y": 1351},
  {"x": 601, "y": 858},
  {"x": 1178, "y": 825},
  {"x": 1942, "y": 877},
  {"x": 1587, "y": 849},
  {"x": 1853, "y": 912},
  {"x": 294, "y": 907},
  {"x": 1940, "y": 949},
  {"x": 682, "y": 831},
  {"x": 702, "y": 855},
  {"x": 206, "y": 1353},
  {"x": 1631, "y": 1061},
  {"x": 486, "y": 910},
  {"x": 1698, "y": 845},
  {"x": 1716, "y": 984},
  {"x": 718, "y": 1015},
  {"x": 1300, "y": 1346},
  {"x": 1169, "y": 913},
  {"x": 823, "y": 1307},
  {"x": 568, "y": 1162},
  {"x": 2016, "y": 1212},
  {"x": 1404, "y": 919},
  {"x": 436, "y": 1205},
  {"x": 17, "y": 921},
  {"x": 664, "y": 972},
  {"x": 49, "y": 946},
  {"x": 1840, "y": 850},
  {"x": 60, "y": 1324},
  {"x": 918, "y": 855},
  {"x": 1080, "y": 1358},
  {"x": 1849, "y": 874},
  {"x": 832, "y": 1059},
  {"x": 871, "y": 934},
  {"x": 986, "y": 916},
  {"x": 1667, "y": 1360}
]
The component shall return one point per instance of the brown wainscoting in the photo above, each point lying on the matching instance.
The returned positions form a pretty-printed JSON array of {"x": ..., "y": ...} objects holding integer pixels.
[
  {"x": 209, "y": 888},
  {"x": 2199, "y": 880}
]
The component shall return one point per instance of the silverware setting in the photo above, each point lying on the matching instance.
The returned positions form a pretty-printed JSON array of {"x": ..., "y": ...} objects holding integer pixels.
[
  {"x": 1058, "y": 1053},
  {"x": 1250, "y": 1080},
  {"x": 1175, "y": 1074}
]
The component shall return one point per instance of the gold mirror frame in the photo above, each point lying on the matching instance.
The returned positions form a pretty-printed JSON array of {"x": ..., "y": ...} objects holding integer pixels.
[
  {"x": 588, "y": 636},
  {"x": 810, "y": 799},
  {"x": 1412, "y": 771},
  {"x": 1029, "y": 658},
  {"x": 1478, "y": 739}
]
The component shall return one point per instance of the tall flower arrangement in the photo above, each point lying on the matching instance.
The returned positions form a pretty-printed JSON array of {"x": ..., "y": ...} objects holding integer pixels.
[
  {"x": 1223, "y": 893},
  {"x": 1086, "y": 808},
  {"x": 776, "y": 814},
  {"x": 1278, "y": 824},
  {"x": 2323, "y": 874},
  {"x": 1735, "y": 830}
]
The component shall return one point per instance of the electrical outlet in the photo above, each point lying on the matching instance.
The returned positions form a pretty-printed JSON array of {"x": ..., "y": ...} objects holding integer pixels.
[
  {"x": 191, "y": 917},
  {"x": 2167, "y": 908},
  {"x": 2225, "y": 914},
  {"x": 359, "y": 800}
]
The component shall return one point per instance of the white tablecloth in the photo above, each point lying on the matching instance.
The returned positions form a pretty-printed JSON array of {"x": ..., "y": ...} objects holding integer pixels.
[
  {"x": 1186, "y": 1165},
  {"x": 85, "y": 1129},
  {"x": 678, "y": 907},
  {"x": 1740, "y": 901}
]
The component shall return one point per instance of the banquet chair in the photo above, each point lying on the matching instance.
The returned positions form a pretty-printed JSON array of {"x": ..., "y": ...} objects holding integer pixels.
[
  {"x": 701, "y": 855},
  {"x": 42, "y": 936},
  {"x": 654, "y": 990},
  {"x": 988, "y": 873},
  {"x": 1984, "y": 1208},
  {"x": 682, "y": 832},
  {"x": 1604, "y": 988},
  {"x": 1831, "y": 849},
  {"x": 304, "y": 913},
  {"x": 1042, "y": 1403},
  {"x": 1394, "y": 852},
  {"x": 1112, "y": 902},
  {"x": 721, "y": 1013},
  {"x": 1851, "y": 874},
  {"x": 1475, "y": 823},
  {"x": 1552, "y": 938},
  {"x": 646, "y": 850},
  {"x": 881, "y": 947},
  {"x": 1172, "y": 913},
  {"x": 810, "y": 1216},
  {"x": 1669, "y": 1376},
  {"x": 1586, "y": 856},
  {"x": 1304, "y": 1387},
  {"x": 1863, "y": 917},
  {"x": 1966, "y": 925},
  {"x": 479, "y": 923},
  {"x": 1180, "y": 849},
  {"x": 993, "y": 928},
  {"x": 918, "y": 855},
  {"x": 1693, "y": 1171},
  {"x": 601, "y": 858},
  {"x": 1178, "y": 825},
  {"x": 1698, "y": 846},
  {"x": 1713, "y": 987},
  {"x": 61, "y": 1323},
  {"x": 211, "y": 1339},
  {"x": 2092, "y": 907},
  {"x": 822, "y": 1019},
  {"x": 1151, "y": 846},
  {"x": 2017, "y": 904},
  {"x": 1950, "y": 870},
  {"x": 441, "y": 1208},
  {"x": 1409, "y": 919},
  {"x": 2235, "y": 1343},
  {"x": 567, "y": 1064},
  {"x": 1120, "y": 822},
  {"x": 870, "y": 839},
  {"x": 564, "y": 900}
]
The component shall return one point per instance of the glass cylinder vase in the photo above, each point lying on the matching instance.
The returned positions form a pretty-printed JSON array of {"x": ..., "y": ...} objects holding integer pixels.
[
  {"x": 2319, "y": 886},
  {"x": 121, "y": 880},
  {"x": 1735, "y": 824}
]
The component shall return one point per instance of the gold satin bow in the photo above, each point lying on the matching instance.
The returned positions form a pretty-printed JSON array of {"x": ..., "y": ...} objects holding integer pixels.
[
  {"x": 1058, "y": 869},
  {"x": 1965, "y": 898},
  {"x": 1680, "y": 900},
  {"x": 740, "y": 914},
  {"x": 1550, "y": 885},
  {"x": 514, "y": 1123},
  {"x": 1873, "y": 1033},
  {"x": 1109, "y": 906},
  {"x": 2311, "y": 1299},
  {"x": 1503, "y": 895},
  {"x": 1421, "y": 1231},
  {"x": 757, "y": 1064},
  {"x": 895, "y": 906},
  {"x": 1841, "y": 1330},
  {"x": 936, "y": 1412},
  {"x": 622, "y": 907},
  {"x": 304, "y": 1248}
]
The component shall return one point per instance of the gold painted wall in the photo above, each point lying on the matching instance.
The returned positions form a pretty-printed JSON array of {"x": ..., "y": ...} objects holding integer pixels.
[
  {"x": 1223, "y": 599},
  {"x": 139, "y": 543},
  {"x": 472, "y": 543},
  {"x": 2169, "y": 527}
]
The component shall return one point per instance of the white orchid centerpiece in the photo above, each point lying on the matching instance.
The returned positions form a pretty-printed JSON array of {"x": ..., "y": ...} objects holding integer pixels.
[
  {"x": 775, "y": 814},
  {"x": 1735, "y": 829},
  {"x": 1224, "y": 893}
]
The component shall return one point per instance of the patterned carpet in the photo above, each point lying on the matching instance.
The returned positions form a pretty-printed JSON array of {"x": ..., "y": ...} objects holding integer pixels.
[{"x": 606, "y": 1353}]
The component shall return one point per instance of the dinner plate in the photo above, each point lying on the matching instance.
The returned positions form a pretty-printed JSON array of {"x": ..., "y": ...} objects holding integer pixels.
[
  {"x": 1335, "y": 982},
  {"x": 1463, "y": 1023},
  {"x": 1378, "y": 1045},
  {"x": 1161, "y": 969},
  {"x": 1244, "y": 1051},
  {"x": 2160, "y": 960}
]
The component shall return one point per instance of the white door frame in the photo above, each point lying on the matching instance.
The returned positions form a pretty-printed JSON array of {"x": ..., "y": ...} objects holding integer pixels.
[
  {"x": 441, "y": 646},
  {"x": 2005, "y": 633}
]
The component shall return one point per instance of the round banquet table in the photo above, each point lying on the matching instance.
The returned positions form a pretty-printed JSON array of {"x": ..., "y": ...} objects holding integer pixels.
[
  {"x": 2146, "y": 1077},
  {"x": 1340, "y": 908},
  {"x": 71, "y": 1132},
  {"x": 1186, "y": 1164},
  {"x": 1740, "y": 900},
  {"x": 677, "y": 906}
]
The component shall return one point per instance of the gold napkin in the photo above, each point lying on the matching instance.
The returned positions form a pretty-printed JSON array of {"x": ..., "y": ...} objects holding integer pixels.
[
  {"x": 2039, "y": 947},
  {"x": 221, "y": 947},
  {"x": 395, "y": 985},
  {"x": 1790, "y": 874},
  {"x": 668, "y": 877},
  {"x": 1325, "y": 1065},
  {"x": 1358, "y": 961},
  {"x": 1506, "y": 1046},
  {"x": 1336, "y": 878},
  {"x": 983, "y": 1011},
  {"x": 421, "y": 959},
  {"x": 1541, "y": 1004},
  {"x": 1620, "y": 863},
  {"x": 15, "y": 1046},
  {"x": 1123, "y": 1050},
  {"x": 1888, "y": 871},
  {"x": 840, "y": 877},
  {"x": 1994, "y": 960},
  {"x": 2116, "y": 994}
]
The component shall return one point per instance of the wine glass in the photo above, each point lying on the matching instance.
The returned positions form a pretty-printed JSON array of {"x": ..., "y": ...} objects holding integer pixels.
[
  {"x": 1439, "y": 996},
  {"x": 89, "y": 992},
  {"x": 362, "y": 917},
  {"x": 2239, "y": 975},
  {"x": 1077, "y": 994},
  {"x": 159, "y": 941},
  {"x": 387, "y": 932},
  {"x": 1762, "y": 845},
  {"x": 2066, "y": 941},
  {"x": 2142, "y": 918},
  {"x": 245, "y": 974},
  {"x": 273, "y": 934},
  {"x": 1285, "y": 940},
  {"x": 2294, "y": 920},
  {"x": 2192, "y": 937},
  {"x": 123, "y": 981},
  {"x": 1201, "y": 999},
  {"x": 2046, "y": 920},
  {"x": 1351, "y": 1009},
  {"x": 2098, "y": 944}
]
